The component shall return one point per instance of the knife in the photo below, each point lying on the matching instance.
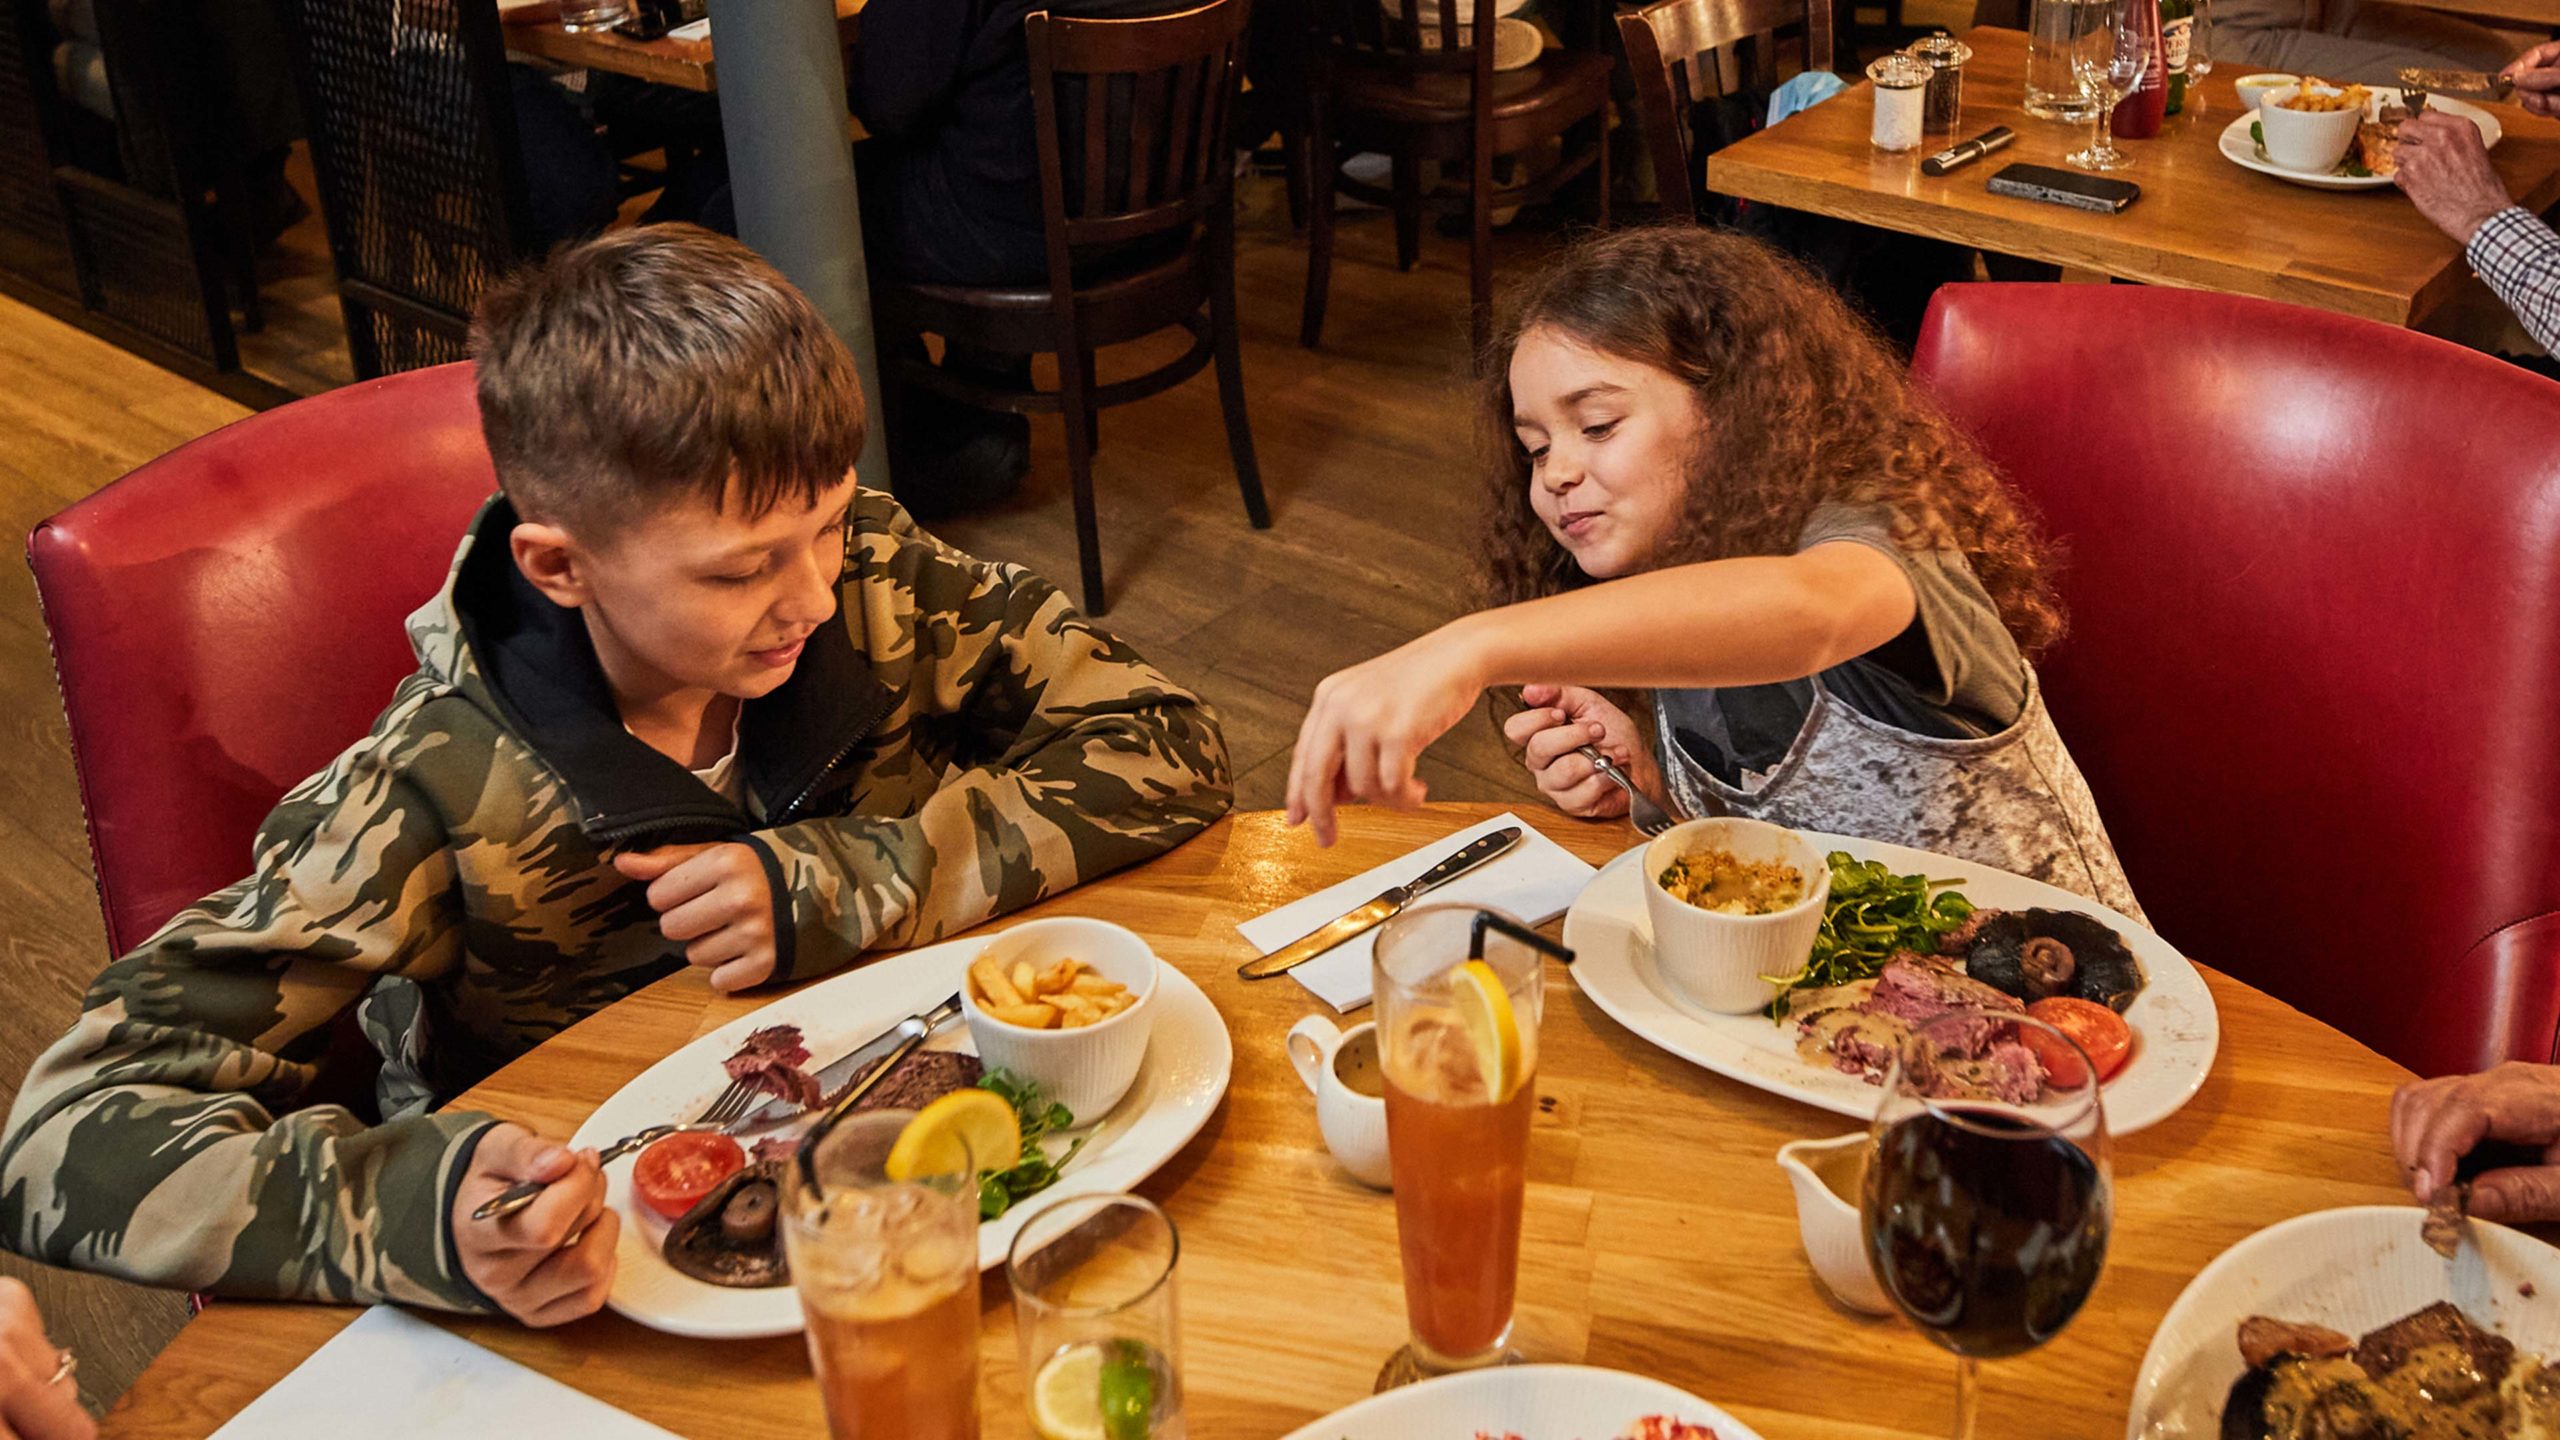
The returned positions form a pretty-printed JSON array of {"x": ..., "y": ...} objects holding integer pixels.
[
  {"x": 1307, "y": 947},
  {"x": 832, "y": 1076},
  {"x": 2459, "y": 84}
]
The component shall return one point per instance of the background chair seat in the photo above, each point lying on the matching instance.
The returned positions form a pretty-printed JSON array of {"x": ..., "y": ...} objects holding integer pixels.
[
  {"x": 1559, "y": 88},
  {"x": 2312, "y": 572}
]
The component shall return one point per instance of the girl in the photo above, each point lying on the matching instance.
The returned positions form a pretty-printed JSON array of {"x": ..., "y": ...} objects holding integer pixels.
[{"x": 1707, "y": 478}]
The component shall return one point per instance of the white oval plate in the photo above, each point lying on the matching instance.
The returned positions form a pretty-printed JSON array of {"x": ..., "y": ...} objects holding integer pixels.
[
  {"x": 2176, "y": 1029},
  {"x": 2354, "y": 1270},
  {"x": 1534, "y": 1402},
  {"x": 2242, "y": 151},
  {"x": 1185, "y": 1072}
]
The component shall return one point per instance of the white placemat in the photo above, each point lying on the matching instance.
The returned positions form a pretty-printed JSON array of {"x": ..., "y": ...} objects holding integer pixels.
[
  {"x": 1534, "y": 881},
  {"x": 393, "y": 1376}
]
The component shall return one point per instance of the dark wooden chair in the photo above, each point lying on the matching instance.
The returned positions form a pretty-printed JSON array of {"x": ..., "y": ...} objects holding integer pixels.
[
  {"x": 1689, "y": 53},
  {"x": 413, "y": 143},
  {"x": 1137, "y": 187},
  {"x": 1419, "y": 89}
]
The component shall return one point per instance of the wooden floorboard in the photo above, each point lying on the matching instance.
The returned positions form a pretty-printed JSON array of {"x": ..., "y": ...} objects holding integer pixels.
[{"x": 1364, "y": 448}]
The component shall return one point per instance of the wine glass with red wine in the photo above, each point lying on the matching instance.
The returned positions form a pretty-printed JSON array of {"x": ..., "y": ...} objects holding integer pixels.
[{"x": 1986, "y": 1205}]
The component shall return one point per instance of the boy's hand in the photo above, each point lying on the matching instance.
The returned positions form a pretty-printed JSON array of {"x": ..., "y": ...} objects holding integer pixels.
[
  {"x": 1564, "y": 718},
  {"x": 714, "y": 901},
  {"x": 552, "y": 1261}
]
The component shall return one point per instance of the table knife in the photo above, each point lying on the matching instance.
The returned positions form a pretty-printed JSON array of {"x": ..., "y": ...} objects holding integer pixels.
[
  {"x": 833, "y": 1076},
  {"x": 1307, "y": 947},
  {"x": 2457, "y": 84}
]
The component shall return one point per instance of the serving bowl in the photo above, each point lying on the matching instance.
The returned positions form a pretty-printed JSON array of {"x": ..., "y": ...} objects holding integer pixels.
[
  {"x": 2313, "y": 141},
  {"x": 1087, "y": 1068},
  {"x": 1715, "y": 960},
  {"x": 2254, "y": 88}
]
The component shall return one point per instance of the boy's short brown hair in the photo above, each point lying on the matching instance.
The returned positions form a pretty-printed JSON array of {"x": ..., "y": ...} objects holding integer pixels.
[{"x": 649, "y": 364}]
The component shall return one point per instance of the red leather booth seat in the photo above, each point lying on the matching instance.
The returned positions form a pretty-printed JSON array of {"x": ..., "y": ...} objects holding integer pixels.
[
  {"x": 228, "y": 618},
  {"x": 2313, "y": 671}
]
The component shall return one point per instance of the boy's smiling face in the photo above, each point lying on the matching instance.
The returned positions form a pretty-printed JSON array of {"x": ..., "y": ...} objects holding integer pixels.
[{"x": 690, "y": 602}]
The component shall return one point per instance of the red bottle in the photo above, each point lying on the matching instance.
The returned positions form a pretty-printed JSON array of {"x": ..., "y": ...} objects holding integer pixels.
[{"x": 2139, "y": 114}]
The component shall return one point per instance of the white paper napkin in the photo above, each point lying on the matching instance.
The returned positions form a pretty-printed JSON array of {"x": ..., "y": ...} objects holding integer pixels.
[
  {"x": 393, "y": 1376},
  {"x": 1535, "y": 880}
]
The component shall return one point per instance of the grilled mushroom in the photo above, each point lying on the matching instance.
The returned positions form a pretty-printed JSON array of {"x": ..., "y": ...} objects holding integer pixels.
[
  {"x": 729, "y": 1238},
  {"x": 2033, "y": 954}
]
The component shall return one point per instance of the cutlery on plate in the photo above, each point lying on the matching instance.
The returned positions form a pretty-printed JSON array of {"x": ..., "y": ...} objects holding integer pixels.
[
  {"x": 1649, "y": 818},
  {"x": 1365, "y": 917},
  {"x": 2417, "y": 84},
  {"x": 728, "y": 1113}
]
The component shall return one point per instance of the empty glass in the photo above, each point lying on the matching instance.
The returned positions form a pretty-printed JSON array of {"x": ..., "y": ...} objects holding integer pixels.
[
  {"x": 2108, "y": 61},
  {"x": 1986, "y": 1219},
  {"x": 1093, "y": 1307},
  {"x": 582, "y": 15}
]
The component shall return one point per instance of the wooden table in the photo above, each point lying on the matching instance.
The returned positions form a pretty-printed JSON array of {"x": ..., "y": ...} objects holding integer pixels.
[
  {"x": 2202, "y": 222},
  {"x": 535, "y": 30},
  {"x": 1660, "y": 1236}
]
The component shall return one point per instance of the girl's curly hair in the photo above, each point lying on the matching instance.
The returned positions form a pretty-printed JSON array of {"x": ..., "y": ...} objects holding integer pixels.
[{"x": 1803, "y": 403}]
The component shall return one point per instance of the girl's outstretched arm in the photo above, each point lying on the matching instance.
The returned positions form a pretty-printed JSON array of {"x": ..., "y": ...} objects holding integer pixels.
[{"x": 1721, "y": 623}]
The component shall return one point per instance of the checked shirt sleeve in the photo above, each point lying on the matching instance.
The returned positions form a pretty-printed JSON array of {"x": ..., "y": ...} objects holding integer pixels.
[{"x": 2519, "y": 257}]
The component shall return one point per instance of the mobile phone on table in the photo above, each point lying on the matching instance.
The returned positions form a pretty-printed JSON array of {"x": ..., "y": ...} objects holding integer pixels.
[{"x": 2077, "y": 189}]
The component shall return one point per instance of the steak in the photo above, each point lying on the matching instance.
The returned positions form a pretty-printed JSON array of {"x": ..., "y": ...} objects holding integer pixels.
[
  {"x": 1916, "y": 990},
  {"x": 2262, "y": 1339},
  {"x": 921, "y": 1079},
  {"x": 2387, "y": 1349}
]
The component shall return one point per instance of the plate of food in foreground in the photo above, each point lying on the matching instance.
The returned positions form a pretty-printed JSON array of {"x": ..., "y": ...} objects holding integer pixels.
[
  {"x": 698, "y": 1254},
  {"x": 1906, "y": 935},
  {"x": 2347, "y": 1323},
  {"x": 1531, "y": 1402},
  {"x": 2371, "y": 159}
]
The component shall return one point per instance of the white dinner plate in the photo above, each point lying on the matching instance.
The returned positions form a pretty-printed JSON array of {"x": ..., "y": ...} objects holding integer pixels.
[
  {"x": 2175, "y": 1027},
  {"x": 1185, "y": 1072},
  {"x": 2353, "y": 1270},
  {"x": 1533, "y": 1402},
  {"x": 2242, "y": 151}
]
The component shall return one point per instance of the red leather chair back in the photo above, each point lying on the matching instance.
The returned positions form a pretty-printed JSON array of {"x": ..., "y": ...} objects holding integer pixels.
[
  {"x": 2313, "y": 671},
  {"x": 227, "y": 618}
]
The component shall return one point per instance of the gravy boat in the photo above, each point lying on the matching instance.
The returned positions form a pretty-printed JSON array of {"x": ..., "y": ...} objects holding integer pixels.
[{"x": 1829, "y": 1225}]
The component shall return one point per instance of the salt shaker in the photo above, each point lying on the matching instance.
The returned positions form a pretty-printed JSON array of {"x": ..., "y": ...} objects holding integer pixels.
[
  {"x": 1944, "y": 105},
  {"x": 1901, "y": 87}
]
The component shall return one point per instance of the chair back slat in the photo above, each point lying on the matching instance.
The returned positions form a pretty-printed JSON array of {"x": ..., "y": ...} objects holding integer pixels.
[
  {"x": 1133, "y": 118},
  {"x": 1684, "y": 53}
]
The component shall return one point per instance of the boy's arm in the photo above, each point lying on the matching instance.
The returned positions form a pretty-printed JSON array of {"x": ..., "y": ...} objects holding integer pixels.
[
  {"x": 1080, "y": 758},
  {"x": 151, "y": 1142}
]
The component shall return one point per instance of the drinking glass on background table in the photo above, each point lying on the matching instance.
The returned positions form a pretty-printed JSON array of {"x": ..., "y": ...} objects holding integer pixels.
[
  {"x": 578, "y": 16},
  {"x": 1459, "y": 990},
  {"x": 1986, "y": 1221},
  {"x": 1093, "y": 1307},
  {"x": 2109, "y": 62},
  {"x": 887, "y": 1271},
  {"x": 2055, "y": 29}
]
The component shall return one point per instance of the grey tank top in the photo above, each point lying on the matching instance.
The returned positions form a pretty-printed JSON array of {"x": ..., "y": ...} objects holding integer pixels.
[{"x": 2013, "y": 799}]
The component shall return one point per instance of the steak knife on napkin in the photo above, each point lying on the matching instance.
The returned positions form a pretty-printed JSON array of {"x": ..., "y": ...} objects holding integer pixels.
[{"x": 1535, "y": 881}]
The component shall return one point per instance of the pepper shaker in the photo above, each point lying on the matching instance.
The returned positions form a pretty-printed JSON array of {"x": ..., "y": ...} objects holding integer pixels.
[
  {"x": 1945, "y": 55},
  {"x": 1900, "y": 85}
]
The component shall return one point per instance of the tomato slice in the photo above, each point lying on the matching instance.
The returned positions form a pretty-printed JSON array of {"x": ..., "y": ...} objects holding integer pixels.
[
  {"x": 674, "y": 1173},
  {"x": 2100, "y": 1033}
]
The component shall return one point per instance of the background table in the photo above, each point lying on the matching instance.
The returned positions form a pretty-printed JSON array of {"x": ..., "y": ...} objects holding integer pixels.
[
  {"x": 687, "y": 64},
  {"x": 2202, "y": 222},
  {"x": 1660, "y": 1237}
]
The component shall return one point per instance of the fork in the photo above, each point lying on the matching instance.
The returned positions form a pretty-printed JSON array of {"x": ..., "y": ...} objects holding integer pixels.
[
  {"x": 725, "y": 1110},
  {"x": 1649, "y": 818}
]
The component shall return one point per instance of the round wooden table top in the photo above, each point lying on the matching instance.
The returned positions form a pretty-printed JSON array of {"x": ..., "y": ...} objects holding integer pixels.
[{"x": 1660, "y": 1236}]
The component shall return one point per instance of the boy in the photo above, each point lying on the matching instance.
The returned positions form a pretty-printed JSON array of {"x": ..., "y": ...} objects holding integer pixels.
[{"x": 689, "y": 697}]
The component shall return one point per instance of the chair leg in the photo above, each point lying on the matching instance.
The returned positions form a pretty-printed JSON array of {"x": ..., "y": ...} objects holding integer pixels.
[
  {"x": 1600, "y": 167},
  {"x": 1075, "y": 396},
  {"x": 1480, "y": 250},
  {"x": 1408, "y": 197},
  {"x": 1092, "y": 412},
  {"x": 1293, "y": 164},
  {"x": 1222, "y": 327},
  {"x": 1322, "y": 167}
]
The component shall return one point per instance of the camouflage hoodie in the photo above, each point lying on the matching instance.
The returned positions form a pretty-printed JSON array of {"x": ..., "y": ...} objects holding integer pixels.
[{"x": 965, "y": 743}]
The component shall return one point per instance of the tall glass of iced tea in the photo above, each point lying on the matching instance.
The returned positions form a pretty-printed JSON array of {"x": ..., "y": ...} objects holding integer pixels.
[
  {"x": 887, "y": 1272},
  {"x": 1459, "y": 990}
]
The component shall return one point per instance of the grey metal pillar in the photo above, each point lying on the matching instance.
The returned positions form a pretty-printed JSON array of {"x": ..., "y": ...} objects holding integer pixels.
[{"x": 781, "y": 76}]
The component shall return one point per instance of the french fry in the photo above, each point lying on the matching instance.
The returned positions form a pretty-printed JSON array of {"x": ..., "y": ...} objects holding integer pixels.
[
  {"x": 1033, "y": 1016},
  {"x": 1057, "y": 977},
  {"x": 1075, "y": 1010},
  {"x": 994, "y": 990},
  {"x": 1093, "y": 984},
  {"x": 1021, "y": 977},
  {"x": 1114, "y": 1004}
]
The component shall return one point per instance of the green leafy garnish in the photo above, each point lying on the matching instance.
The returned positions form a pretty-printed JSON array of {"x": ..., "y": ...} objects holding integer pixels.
[
  {"x": 1872, "y": 913},
  {"x": 1032, "y": 1171}
]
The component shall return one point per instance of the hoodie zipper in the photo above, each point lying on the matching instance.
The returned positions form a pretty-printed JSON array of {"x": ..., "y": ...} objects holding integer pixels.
[{"x": 870, "y": 722}]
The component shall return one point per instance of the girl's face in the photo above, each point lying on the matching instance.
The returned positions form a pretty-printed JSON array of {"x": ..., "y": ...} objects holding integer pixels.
[{"x": 1611, "y": 442}]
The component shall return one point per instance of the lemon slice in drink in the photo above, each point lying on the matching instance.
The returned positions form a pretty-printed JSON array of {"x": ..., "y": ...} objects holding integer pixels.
[
  {"x": 1484, "y": 1010},
  {"x": 932, "y": 1144},
  {"x": 1101, "y": 1391}
]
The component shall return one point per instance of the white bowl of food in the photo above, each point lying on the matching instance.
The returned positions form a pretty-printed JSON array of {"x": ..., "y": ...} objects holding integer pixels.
[
  {"x": 2308, "y": 127},
  {"x": 1064, "y": 1003},
  {"x": 1732, "y": 903},
  {"x": 2254, "y": 88}
]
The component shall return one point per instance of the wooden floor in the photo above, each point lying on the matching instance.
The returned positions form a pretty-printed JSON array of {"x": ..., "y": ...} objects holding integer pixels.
[{"x": 1364, "y": 450}]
